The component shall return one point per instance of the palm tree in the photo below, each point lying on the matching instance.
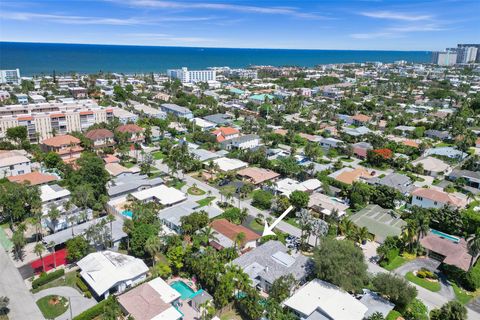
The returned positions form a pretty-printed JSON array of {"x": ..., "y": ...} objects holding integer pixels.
[
  {"x": 127, "y": 228},
  {"x": 53, "y": 215},
  {"x": 51, "y": 244},
  {"x": 153, "y": 246},
  {"x": 409, "y": 232},
  {"x": 110, "y": 218},
  {"x": 38, "y": 250},
  {"x": 473, "y": 245},
  {"x": 4, "y": 301},
  {"x": 208, "y": 234},
  {"x": 239, "y": 239},
  {"x": 346, "y": 227},
  {"x": 362, "y": 235}
]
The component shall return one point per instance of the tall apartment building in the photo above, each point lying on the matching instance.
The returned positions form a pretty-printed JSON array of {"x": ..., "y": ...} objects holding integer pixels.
[
  {"x": 10, "y": 76},
  {"x": 444, "y": 58},
  {"x": 44, "y": 119},
  {"x": 192, "y": 76},
  {"x": 468, "y": 53}
]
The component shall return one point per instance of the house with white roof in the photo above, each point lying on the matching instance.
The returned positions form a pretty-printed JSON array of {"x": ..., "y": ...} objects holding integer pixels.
[
  {"x": 162, "y": 194},
  {"x": 53, "y": 193},
  {"x": 13, "y": 163},
  {"x": 322, "y": 300},
  {"x": 229, "y": 164},
  {"x": 109, "y": 272},
  {"x": 433, "y": 166},
  {"x": 287, "y": 186}
]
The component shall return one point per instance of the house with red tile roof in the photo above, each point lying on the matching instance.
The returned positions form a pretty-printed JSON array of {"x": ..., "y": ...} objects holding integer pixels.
[
  {"x": 227, "y": 233},
  {"x": 66, "y": 146},
  {"x": 134, "y": 132},
  {"x": 100, "y": 138},
  {"x": 257, "y": 176},
  {"x": 361, "y": 119},
  {"x": 225, "y": 133},
  {"x": 434, "y": 198},
  {"x": 33, "y": 178}
]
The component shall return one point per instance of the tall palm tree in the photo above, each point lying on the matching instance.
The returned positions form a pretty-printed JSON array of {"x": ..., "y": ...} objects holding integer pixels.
[
  {"x": 345, "y": 226},
  {"x": 409, "y": 232},
  {"x": 51, "y": 244},
  {"x": 38, "y": 250},
  {"x": 423, "y": 226},
  {"x": 127, "y": 228},
  {"x": 239, "y": 239},
  {"x": 111, "y": 218},
  {"x": 53, "y": 215},
  {"x": 208, "y": 234},
  {"x": 153, "y": 246},
  {"x": 362, "y": 235},
  {"x": 473, "y": 245}
]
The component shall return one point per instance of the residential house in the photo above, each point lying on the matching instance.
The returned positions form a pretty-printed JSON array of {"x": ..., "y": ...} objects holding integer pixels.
[
  {"x": 448, "y": 152},
  {"x": 328, "y": 143},
  {"x": 325, "y": 205},
  {"x": 66, "y": 146},
  {"x": 124, "y": 116},
  {"x": 322, "y": 300},
  {"x": 432, "y": 166},
  {"x": 437, "y": 134},
  {"x": 101, "y": 138},
  {"x": 356, "y": 132},
  {"x": 249, "y": 141},
  {"x": 349, "y": 176},
  {"x": 135, "y": 133},
  {"x": 53, "y": 193},
  {"x": 108, "y": 272},
  {"x": 360, "y": 149},
  {"x": 117, "y": 170},
  {"x": 220, "y": 119},
  {"x": 380, "y": 222},
  {"x": 13, "y": 163},
  {"x": 176, "y": 110},
  {"x": 203, "y": 124},
  {"x": 171, "y": 217},
  {"x": 270, "y": 261},
  {"x": 153, "y": 300},
  {"x": 258, "y": 176},
  {"x": 472, "y": 178},
  {"x": 228, "y": 164},
  {"x": 162, "y": 194},
  {"x": 399, "y": 182},
  {"x": 226, "y": 234},
  {"x": 287, "y": 186},
  {"x": 123, "y": 185},
  {"x": 361, "y": 119},
  {"x": 433, "y": 198},
  {"x": 447, "y": 249},
  {"x": 33, "y": 178},
  {"x": 225, "y": 133}
]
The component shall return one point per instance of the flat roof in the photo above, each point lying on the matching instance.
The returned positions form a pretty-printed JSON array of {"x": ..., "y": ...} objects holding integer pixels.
[{"x": 165, "y": 195}]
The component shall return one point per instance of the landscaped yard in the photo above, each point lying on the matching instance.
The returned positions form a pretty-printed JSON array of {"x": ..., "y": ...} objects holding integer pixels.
[
  {"x": 158, "y": 155},
  {"x": 128, "y": 164},
  {"x": 433, "y": 286},
  {"x": 397, "y": 262},
  {"x": 462, "y": 296},
  {"x": 346, "y": 159},
  {"x": 393, "y": 315},
  {"x": 69, "y": 280},
  {"x": 231, "y": 315},
  {"x": 292, "y": 221},
  {"x": 205, "y": 201},
  {"x": 177, "y": 184},
  {"x": 52, "y": 306},
  {"x": 254, "y": 225},
  {"x": 195, "y": 191}
]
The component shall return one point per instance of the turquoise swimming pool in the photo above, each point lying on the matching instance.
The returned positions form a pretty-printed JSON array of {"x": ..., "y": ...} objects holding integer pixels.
[
  {"x": 185, "y": 291},
  {"x": 127, "y": 213},
  {"x": 445, "y": 235}
]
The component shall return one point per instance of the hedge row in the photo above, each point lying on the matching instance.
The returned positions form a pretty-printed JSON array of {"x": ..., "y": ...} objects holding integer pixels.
[
  {"x": 47, "y": 277},
  {"x": 93, "y": 312},
  {"x": 83, "y": 287}
]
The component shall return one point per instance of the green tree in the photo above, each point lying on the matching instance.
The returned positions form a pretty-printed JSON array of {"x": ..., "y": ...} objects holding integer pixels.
[
  {"x": 416, "y": 310},
  {"x": 341, "y": 263},
  {"x": 281, "y": 288},
  {"x": 395, "y": 289},
  {"x": 77, "y": 248},
  {"x": 111, "y": 309},
  {"x": 19, "y": 241},
  {"x": 52, "y": 160},
  {"x": 375, "y": 316},
  {"x": 262, "y": 199},
  {"x": 452, "y": 310},
  {"x": 153, "y": 246},
  {"x": 139, "y": 236},
  {"x": 39, "y": 249},
  {"x": 176, "y": 256},
  {"x": 17, "y": 134},
  {"x": 299, "y": 199},
  {"x": 194, "y": 222}
]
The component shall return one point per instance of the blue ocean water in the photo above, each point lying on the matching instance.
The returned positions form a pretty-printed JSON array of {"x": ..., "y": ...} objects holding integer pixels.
[{"x": 38, "y": 58}]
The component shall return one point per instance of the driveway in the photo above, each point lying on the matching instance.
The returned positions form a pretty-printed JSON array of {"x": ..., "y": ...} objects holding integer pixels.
[
  {"x": 22, "y": 304},
  {"x": 78, "y": 302}
]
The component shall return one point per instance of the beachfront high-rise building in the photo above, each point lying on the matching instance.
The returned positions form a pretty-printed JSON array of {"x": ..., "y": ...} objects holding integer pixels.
[
  {"x": 43, "y": 120},
  {"x": 10, "y": 76},
  {"x": 444, "y": 58},
  {"x": 472, "y": 52},
  {"x": 192, "y": 76}
]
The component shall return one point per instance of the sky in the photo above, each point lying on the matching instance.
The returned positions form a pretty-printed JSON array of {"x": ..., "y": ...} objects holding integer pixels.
[{"x": 299, "y": 24}]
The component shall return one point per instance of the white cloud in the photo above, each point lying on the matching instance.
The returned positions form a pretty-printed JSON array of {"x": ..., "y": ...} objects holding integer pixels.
[
  {"x": 84, "y": 20},
  {"x": 220, "y": 6},
  {"x": 403, "y": 16}
]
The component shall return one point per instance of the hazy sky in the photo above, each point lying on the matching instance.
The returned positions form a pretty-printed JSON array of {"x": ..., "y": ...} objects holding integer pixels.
[{"x": 309, "y": 24}]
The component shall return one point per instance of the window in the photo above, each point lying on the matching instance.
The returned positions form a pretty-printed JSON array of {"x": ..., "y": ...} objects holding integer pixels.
[
  {"x": 435, "y": 202},
  {"x": 419, "y": 198}
]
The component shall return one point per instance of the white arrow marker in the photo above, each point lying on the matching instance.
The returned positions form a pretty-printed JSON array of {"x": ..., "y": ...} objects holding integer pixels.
[{"x": 268, "y": 230}]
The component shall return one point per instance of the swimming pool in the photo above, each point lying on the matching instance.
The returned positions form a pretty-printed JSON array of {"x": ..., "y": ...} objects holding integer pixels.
[
  {"x": 127, "y": 213},
  {"x": 185, "y": 291},
  {"x": 445, "y": 236}
]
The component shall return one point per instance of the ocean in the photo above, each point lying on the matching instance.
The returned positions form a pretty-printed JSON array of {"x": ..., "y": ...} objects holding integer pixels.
[{"x": 43, "y": 58}]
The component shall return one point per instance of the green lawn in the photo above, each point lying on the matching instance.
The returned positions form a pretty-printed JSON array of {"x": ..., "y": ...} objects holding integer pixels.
[
  {"x": 393, "y": 315},
  {"x": 158, "y": 155},
  {"x": 345, "y": 159},
  {"x": 254, "y": 225},
  {"x": 4, "y": 241},
  {"x": 462, "y": 296},
  {"x": 292, "y": 221},
  {"x": 68, "y": 280},
  {"x": 205, "y": 201},
  {"x": 429, "y": 285},
  {"x": 231, "y": 315},
  {"x": 397, "y": 262},
  {"x": 195, "y": 191},
  {"x": 177, "y": 184},
  {"x": 128, "y": 164},
  {"x": 52, "y": 306}
]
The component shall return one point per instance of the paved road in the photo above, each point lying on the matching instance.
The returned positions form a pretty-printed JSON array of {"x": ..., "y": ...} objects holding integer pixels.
[
  {"x": 22, "y": 305},
  {"x": 78, "y": 302}
]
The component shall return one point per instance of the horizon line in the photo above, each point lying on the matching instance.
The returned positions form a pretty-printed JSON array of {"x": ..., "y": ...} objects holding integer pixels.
[{"x": 204, "y": 47}]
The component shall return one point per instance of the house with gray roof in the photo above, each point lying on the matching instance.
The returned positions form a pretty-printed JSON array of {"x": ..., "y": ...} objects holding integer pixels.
[
  {"x": 449, "y": 152},
  {"x": 380, "y": 222},
  {"x": 204, "y": 155},
  {"x": 270, "y": 261},
  {"x": 437, "y": 134},
  {"x": 400, "y": 182},
  {"x": 124, "y": 185},
  {"x": 220, "y": 119},
  {"x": 176, "y": 110},
  {"x": 472, "y": 178}
]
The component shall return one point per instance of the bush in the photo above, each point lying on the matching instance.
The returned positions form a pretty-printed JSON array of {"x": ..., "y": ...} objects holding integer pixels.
[
  {"x": 416, "y": 310},
  {"x": 473, "y": 276},
  {"x": 83, "y": 287},
  {"x": 262, "y": 199},
  {"x": 47, "y": 277},
  {"x": 93, "y": 312}
]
